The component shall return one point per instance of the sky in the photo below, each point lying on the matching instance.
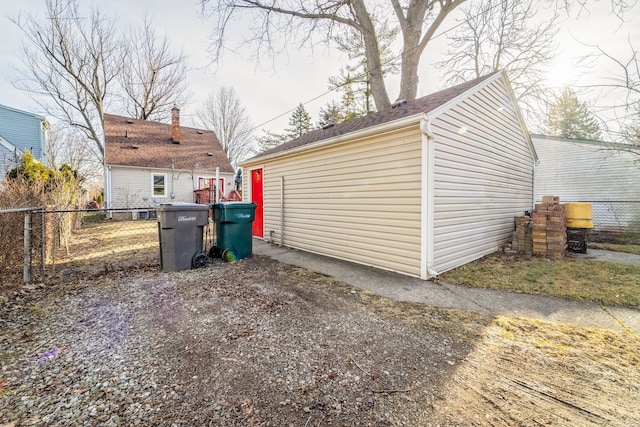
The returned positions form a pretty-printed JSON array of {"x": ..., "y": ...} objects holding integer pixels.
[{"x": 269, "y": 95}]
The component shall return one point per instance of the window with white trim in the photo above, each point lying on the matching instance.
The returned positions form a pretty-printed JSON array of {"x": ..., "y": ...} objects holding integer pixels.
[{"x": 159, "y": 185}]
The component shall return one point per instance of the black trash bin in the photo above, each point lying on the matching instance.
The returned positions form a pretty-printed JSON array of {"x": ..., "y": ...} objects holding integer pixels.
[
  {"x": 234, "y": 221},
  {"x": 180, "y": 229}
]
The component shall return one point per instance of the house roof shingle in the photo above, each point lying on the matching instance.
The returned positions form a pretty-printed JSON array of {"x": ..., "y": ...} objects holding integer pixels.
[
  {"x": 142, "y": 143},
  {"x": 421, "y": 105}
]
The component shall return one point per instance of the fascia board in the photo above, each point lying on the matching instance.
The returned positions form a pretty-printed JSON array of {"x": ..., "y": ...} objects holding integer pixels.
[
  {"x": 433, "y": 114},
  {"x": 362, "y": 133}
]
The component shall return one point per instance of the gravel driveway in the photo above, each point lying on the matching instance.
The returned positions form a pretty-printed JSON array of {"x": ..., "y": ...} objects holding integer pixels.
[
  {"x": 260, "y": 343},
  {"x": 254, "y": 343}
]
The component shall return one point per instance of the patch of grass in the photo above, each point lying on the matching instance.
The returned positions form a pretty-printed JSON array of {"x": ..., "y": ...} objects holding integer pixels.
[
  {"x": 604, "y": 282},
  {"x": 559, "y": 338},
  {"x": 630, "y": 249}
]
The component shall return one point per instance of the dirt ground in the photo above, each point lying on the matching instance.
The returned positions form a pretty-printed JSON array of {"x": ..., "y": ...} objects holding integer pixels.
[{"x": 262, "y": 343}]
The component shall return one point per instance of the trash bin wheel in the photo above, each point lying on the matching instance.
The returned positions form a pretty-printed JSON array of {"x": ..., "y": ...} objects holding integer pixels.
[
  {"x": 229, "y": 255},
  {"x": 200, "y": 260}
]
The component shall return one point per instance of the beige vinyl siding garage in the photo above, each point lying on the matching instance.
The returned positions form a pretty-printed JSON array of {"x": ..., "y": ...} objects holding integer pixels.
[
  {"x": 358, "y": 200},
  {"x": 420, "y": 188},
  {"x": 483, "y": 177}
]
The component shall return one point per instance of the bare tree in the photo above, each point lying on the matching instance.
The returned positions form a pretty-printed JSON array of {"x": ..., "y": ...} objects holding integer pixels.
[
  {"x": 68, "y": 146},
  {"x": 504, "y": 35},
  {"x": 72, "y": 60},
  {"x": 626, "y": 76},
  {"x": 622, "y": 95},
  {"x": 153, "y": 78},
  {"x": 277, "y": 23},
  {"x": 223, "y": 114},
  {"x": 617, "y": 7},
  {"x": 77, "y": 65}
]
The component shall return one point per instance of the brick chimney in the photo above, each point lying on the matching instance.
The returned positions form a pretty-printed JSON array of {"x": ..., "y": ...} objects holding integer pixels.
[{"x": 175, "y": 125}]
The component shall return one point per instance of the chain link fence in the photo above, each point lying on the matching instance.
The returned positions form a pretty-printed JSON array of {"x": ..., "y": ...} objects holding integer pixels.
[
  {"x": 20, "y": 245},
  {"x": 81, "y": 242},
  {"x": 36, "y": 243},
  {"x": 617, "y": 221}
]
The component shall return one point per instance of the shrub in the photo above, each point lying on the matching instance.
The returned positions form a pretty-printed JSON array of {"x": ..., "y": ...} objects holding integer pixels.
[{"x": 17, "y": 193}]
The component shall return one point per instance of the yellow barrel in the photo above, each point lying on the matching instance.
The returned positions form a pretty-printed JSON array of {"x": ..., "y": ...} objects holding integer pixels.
[{"x": 578, "y": 215}]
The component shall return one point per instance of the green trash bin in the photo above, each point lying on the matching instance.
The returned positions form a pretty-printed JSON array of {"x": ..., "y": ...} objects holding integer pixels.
[
  {"x": 180, "y": 229},
  {"x": 234, "y": 221}
]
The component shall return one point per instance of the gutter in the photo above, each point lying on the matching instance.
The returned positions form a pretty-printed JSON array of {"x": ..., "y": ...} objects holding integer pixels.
[{"x": 534, "y": 189}]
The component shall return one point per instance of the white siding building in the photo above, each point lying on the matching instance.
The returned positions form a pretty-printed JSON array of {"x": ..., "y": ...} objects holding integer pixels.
[
  {"x": 595, "y": 172},
  {"x": 420, "y": 188}
]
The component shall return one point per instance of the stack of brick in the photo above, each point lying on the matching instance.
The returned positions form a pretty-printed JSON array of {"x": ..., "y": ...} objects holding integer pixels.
[
  {"x": 522, "y": 241},
  {"x": 549, "y": 228}
]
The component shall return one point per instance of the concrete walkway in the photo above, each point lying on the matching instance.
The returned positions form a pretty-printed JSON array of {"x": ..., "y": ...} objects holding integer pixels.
[{"x": 439, "y": 294}]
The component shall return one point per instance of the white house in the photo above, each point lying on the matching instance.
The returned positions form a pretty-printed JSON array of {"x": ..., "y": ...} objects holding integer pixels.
[
  {"x": 604, "y": 174},
  {"x": 148, "y": 163},
  {"x": 419, "y": 188}
]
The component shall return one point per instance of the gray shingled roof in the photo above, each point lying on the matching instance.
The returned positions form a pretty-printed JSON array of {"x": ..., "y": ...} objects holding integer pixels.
[
  {"x": 142, "y": 143},
  {"x": 421, "y": 105}
]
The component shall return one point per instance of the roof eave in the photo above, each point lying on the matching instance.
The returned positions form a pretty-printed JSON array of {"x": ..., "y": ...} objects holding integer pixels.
[
  {"x": 168, "y": 168},
  {"x": 498, "y": 75},
  {"x": 466, "y": 94}
]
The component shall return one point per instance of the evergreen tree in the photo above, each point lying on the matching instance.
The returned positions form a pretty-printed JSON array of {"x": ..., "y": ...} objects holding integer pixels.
[
  {"x": 299, "y": 122},
  {"x": 570, "y": 118},
  {"x": 331, "y": 113},
  {"x": 271, "y": 140},
  {"x": 347, "y": 109},
  {"x": 31, "y": 170},
  {"x": 61, "y": 186},
  {"x": 354, "y": 80}
]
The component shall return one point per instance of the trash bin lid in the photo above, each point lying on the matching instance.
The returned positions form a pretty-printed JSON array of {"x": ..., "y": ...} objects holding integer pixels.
[
  {"x": 234, "y": 205},
  {"x": 181, "y": 206}
]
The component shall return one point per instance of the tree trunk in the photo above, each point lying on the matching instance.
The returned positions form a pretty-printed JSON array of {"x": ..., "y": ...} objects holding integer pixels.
[
  {"x": 372, "y": 54},
  {"x": 409, "y": 70},
  {"x": 414, "y": 42}
]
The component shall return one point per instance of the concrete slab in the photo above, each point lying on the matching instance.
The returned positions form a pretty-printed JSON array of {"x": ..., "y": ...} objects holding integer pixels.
[{"x": 439, "y": 294}]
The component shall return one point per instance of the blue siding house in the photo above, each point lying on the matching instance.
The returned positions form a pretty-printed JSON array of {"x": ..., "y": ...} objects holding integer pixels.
[{"x": 20, "y": 131}]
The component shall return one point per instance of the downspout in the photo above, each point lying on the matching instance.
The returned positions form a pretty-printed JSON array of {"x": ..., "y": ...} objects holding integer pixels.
[
  {"x": 173, "y": 173},
  {"x": 427, "y": 269},
  {"x": 216, "y": 194},
  {"x": 282, "y": 211}
]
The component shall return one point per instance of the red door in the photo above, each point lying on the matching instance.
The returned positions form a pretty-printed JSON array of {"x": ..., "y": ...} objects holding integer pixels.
[{"x": 256, "y": 197}]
